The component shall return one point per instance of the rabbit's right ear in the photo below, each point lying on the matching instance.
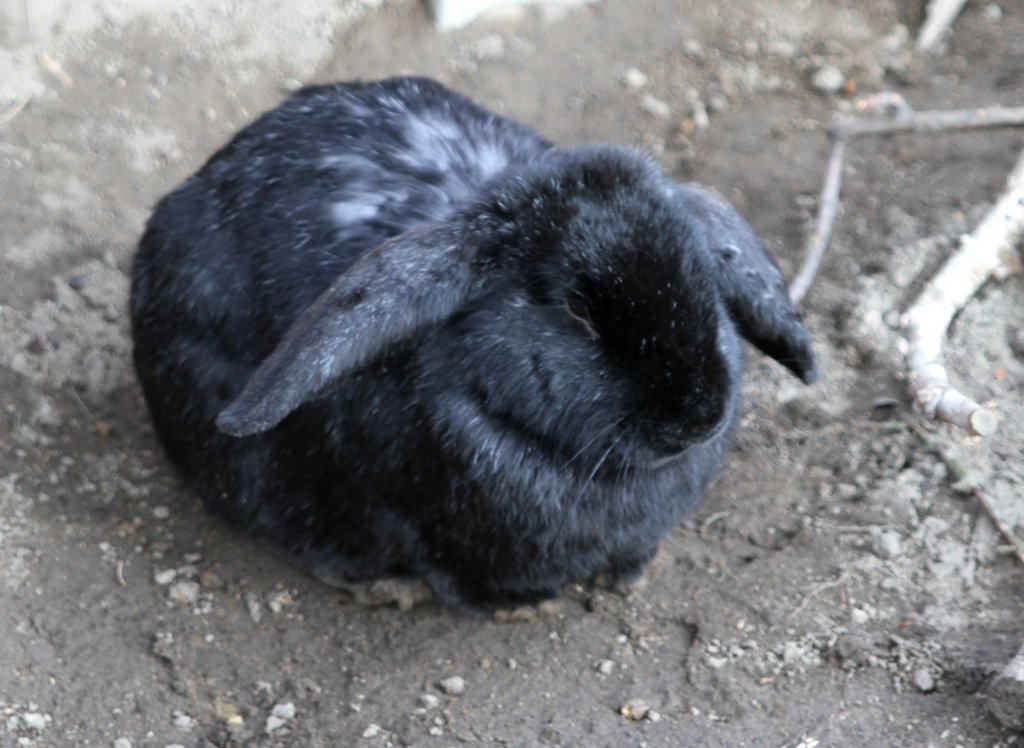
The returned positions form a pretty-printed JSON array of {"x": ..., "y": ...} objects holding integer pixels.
[
  {"x": 415, "y": 279},
  {"x": 750, "y": 282}
]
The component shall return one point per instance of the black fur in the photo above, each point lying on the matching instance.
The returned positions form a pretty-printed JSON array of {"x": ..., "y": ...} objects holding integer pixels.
[{"x": 436, "y": 346}]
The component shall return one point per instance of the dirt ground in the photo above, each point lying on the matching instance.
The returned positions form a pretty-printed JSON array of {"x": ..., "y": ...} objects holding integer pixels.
[{"x": 837, "y": 587}]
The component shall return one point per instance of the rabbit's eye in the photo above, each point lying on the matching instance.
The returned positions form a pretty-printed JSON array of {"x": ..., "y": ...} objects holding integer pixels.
[{"x": 579, "y": 311}]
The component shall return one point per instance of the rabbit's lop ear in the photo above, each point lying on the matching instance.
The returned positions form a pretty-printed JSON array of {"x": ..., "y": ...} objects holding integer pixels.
[
  {"x": 415, "y": 279},
  {"x": 750, "y": 283}
]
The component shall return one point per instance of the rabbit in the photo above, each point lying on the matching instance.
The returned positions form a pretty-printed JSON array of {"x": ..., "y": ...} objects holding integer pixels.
[{"x": 401, "y": 336}]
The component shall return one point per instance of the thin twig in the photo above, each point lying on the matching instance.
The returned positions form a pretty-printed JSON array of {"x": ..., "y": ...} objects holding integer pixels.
[
  {"x": 817, "y": 590},
  {"x": 1004, "y": 529},
  {"x": 931, "y": 121},
  {"x": 939, "y": 17},
  {"x": 901, "y": 118},
  {"x": 14, "y": 109},
  {"x": 957, "y": 473},
  {"x": 828, "y": 206}
]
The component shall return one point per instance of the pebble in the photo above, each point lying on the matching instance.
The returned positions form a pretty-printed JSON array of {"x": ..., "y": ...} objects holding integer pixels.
[
  {"x": 605, "y": 667},
  {"x": 372, "y": 730},
  {"x": 453, "y": 686},
  {"x": 122, "y": 743},
  {"x": 185, "y": 593},
  {"x": 859, "y": 616},
  {"x": 278, "y": 600},
  {"x": 634, "y": 79},
  {"x": 227, "y": 712},
  {"x": 436, "y": 731},
  {"x": 886, "y": 544},
  {"x": 693, "y": 48},
  {"x": 254, "y": 606},
  {"x": 182, "y": 721},
  {"x": 488, "y": 47},
  {"x": 161, "y": 512},
  {"x": 165, "y": 577},
  {"x": 34, "y": 721},
  {"x": 429, "y": 701},
  {"x": 655, "y": 107},
  {"x": 635, "y": 710},
  {"x": 828, "y": 79},
  {"x": 280, "y": 715},
  {"x": 992, "y": 13},
  {"x": 923, "y": 680}
]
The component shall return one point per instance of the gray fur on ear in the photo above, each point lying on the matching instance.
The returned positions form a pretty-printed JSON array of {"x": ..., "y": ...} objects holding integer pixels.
[
  {"x": 751, "y": 284},
  {"x": 417, "y": 278}
]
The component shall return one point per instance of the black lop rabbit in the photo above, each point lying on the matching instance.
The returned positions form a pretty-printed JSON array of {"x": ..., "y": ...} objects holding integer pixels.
[{"x": 405, "y": 337}]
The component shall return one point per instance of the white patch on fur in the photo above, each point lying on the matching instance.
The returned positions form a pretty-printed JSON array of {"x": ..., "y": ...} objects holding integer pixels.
[
  {"x": 438, "y": 143},
  {"x": 356, "y": 209},
  {"x": 491, "y": 159}
]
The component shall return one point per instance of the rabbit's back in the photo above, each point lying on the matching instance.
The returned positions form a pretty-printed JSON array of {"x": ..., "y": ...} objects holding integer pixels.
[
  {"x": 296, "y": 197},
  {"x": 231, "y": 257}
]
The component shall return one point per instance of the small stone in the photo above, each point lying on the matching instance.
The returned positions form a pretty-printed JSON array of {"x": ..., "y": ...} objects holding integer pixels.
[
  {"x": 923, "y": 680},
  {"x": 77, "y": 281},
  {"x": 886, "y": 544},
  {"x": 34, "y": 721},
  {"x": 828, "y": 79},
  {"x": 122, "y": 743},
  {"x": 605, "y": 667},
  {"x": 782, "y": 48},
  {"x": 488, "y": 47},
  {"x": 165, "y": 577},
  {"x": 429, "y": 701},
  {"x": 185, "y": 593},
  {"x": 716, "y": 663},
  {"x": 227, "y": 712},
  {"x": 634, "y": 710},
  {"x": 848, "y": 491},
  {"x": 161, "y": 512},
  {"x": 634, "y": 79},
  {"x": 859, "y": 616},
  {"x": 278, "y": 600},
  {"x": 992, "y": 13},
  {"x": 453, "y": 686},
  {"x": 436, "y": 731},
  {"x": 280, "y": 715},
  {"x": 209, "y": 579},
  {"x": 372, "y": 730},
  {"x": 182, "y": 721},
  {"x": 655, "y": 107},
  {"x": 693, "y": 48},
  {"x": 254, "y": 606}
]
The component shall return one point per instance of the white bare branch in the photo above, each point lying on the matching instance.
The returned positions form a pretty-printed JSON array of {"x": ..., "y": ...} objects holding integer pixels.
[
  {"x": 938, "y": 18},
  {"x": 990, "y": 251}
]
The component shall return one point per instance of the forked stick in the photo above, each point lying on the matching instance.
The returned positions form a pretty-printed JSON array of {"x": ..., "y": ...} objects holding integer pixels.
[{"x": 987, "y": 252}]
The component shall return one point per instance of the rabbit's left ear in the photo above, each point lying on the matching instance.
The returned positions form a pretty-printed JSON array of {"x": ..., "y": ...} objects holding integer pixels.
[
  {"x": 750, "y": 282},
  {"x": 415, "y": 279}
]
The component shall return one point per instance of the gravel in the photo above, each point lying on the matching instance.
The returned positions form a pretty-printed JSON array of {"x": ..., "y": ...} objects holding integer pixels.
[
  {"x": 453, "y": 686},
  {"x": 827, "y": 79}
]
